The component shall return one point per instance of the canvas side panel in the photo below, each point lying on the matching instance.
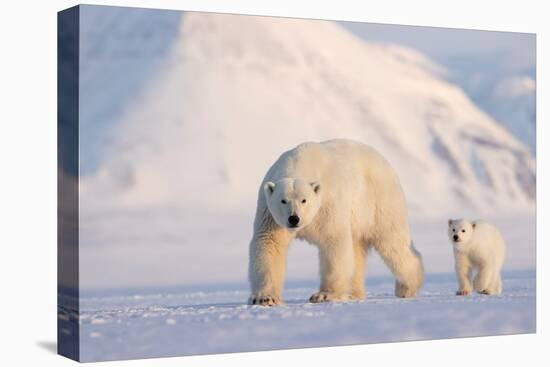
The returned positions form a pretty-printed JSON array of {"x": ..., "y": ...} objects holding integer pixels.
[{"x": 68, "y": 171}]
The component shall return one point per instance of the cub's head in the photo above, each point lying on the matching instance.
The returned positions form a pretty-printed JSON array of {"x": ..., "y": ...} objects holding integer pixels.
[
  {"x": 460, "y": 231},
  {"x": 293, "y": 203}
]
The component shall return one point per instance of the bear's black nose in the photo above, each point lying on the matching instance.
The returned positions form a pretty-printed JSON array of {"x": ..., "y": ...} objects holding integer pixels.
[
  {"x": 293, "y": 220},
  {"x": 455, "y": 237}
]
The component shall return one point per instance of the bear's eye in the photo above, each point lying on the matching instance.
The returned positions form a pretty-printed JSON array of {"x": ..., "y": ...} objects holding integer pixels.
[
  {"x": 303, "y": 201},
  {"x": 283, "y": 201},
  {"x": 463, "y": 230},
  {"x": 453, "y": 230}
]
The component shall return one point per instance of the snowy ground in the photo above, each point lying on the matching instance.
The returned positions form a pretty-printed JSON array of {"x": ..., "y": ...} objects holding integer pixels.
[{"x": 148, "y": 323}]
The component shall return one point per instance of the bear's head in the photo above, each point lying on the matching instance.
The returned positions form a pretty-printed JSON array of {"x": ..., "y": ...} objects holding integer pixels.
[
  {"x": 293, "y": 203},
  {"x": 460, "y": 231}
]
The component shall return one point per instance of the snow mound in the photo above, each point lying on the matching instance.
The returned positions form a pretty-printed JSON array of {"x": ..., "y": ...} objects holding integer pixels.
[{"x": 233, "y": 92}]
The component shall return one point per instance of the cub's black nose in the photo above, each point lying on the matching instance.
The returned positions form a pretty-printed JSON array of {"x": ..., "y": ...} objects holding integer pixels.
[
  {"x": 293, "y": 220},
  {"x": 455, "y": 237}
]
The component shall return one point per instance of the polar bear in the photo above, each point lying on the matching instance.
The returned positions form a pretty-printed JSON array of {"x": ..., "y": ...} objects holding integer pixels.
[
  {"x": 478, "y": 247},
  {"x": 343, "y": 197}
]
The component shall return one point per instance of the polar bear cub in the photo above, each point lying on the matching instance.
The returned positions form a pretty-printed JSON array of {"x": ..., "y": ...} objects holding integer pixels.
[{"x": 478, "y": 248}]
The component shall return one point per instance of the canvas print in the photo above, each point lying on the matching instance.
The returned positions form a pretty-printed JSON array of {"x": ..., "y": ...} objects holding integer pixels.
[{"x": 234, "y": 183}]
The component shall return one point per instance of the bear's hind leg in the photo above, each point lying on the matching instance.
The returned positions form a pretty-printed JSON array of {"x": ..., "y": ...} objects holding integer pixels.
[
  {"x": 405, "y": 263},
  {"x": 484, "y": 278},
  {"x": 358, "y": 282},
  {"x": 496, "y": 285}
]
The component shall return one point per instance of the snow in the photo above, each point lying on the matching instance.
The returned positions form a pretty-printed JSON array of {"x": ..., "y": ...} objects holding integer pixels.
[
  {"x": 141, "y": 323},
  {"x": 509, "y": 96},
  {"x": 202, "y": 104},
  {"x": 234, "y": 92},
  {"x": 121, "y": 49},
  {"x": 495, "y": 69},
  {"x": 181, "y": 116}
]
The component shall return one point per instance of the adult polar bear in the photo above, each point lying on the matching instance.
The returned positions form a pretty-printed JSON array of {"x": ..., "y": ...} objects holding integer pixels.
[{"x": 343, "y": 197}]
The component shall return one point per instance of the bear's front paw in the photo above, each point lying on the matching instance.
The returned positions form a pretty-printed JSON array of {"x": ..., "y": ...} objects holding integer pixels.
[
  {"x": 264, "y": 300},
  {"x": 462, "y": 292},
  {"x": 403, "y": 291},
  {"x": 327, "y": 297},
  {"x": 485, "y": 292}
]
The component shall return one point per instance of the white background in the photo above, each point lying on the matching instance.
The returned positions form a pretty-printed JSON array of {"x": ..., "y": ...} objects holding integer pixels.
[{"x": 28, "y": 180}]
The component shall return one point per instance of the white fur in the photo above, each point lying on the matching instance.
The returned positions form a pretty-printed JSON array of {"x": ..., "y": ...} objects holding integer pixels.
[
  {"x": 353, "y": 201},
  {"x": 478, "y": 248}
]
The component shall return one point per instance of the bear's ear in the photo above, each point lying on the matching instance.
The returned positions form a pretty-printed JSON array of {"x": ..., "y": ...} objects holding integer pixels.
[
  {"x": 474, "y": 225},
  {"x": 450, "y": 222},
  {"x": 316, "y": 186},
  {"x": 269, "y": 187}
]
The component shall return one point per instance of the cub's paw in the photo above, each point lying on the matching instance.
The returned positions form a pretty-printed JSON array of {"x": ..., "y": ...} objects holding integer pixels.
[
  {"x": 319, "y": 297},
  {"x": 462, "y": 292},
  {"x": 264, "y": 300}
]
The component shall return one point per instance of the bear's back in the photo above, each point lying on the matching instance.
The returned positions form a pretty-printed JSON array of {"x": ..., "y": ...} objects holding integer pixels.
[
  {"x": 487, "y": 233},
  {"x": 331, "y": 159},
  {"x": 334, "y": 155}
]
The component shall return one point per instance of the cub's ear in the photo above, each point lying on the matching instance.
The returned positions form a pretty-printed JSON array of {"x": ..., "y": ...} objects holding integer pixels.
[
  {"x": 450, "y": 222},
  {"x": 316, "y": 186},
  {"x": 269, "y": 187}
]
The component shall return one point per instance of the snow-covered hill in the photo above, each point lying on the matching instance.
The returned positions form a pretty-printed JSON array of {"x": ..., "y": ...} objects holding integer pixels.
[
  {"x": 495, "y": 69},
  {"x": 182, "y": 116},
  {"x": 233, "y": 92},
  {"x": 510, "y": 97}
]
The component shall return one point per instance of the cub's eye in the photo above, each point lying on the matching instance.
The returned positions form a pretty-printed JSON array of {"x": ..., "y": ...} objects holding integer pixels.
[
  {"x": 453, "y": 230},
  {"x": 463, "y": 230},
  {"x": 283, "y": 201},
  {"x": 303, "y": 201}
]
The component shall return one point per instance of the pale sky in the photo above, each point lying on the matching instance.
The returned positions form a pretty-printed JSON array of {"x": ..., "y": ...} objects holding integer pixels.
[{"x": 444, "y": 44}]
